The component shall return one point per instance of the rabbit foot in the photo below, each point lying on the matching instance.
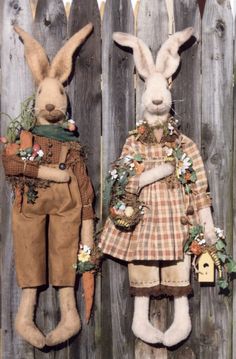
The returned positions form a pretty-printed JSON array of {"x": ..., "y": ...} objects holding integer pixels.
[
  {"x": 147, "y": 333},
  {"x": 29, "y": 332},
  {"x": 181, "y": 326},
  {"x": 66, "y": 329}
]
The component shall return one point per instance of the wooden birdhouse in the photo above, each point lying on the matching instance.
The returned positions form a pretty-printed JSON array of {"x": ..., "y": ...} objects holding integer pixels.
[{"x": 206, "y": 269}]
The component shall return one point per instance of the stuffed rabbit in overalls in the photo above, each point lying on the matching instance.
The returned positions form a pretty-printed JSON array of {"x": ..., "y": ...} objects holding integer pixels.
[{"x": 64, "y": 201}]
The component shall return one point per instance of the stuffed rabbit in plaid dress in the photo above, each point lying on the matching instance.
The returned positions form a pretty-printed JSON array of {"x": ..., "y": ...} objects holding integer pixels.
[{"x": 154, "y": 249}]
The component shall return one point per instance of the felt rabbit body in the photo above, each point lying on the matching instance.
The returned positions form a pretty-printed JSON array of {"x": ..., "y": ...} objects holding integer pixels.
[
  {"x": 154, "y": 249},
  {"x": 65, "y": 198}
]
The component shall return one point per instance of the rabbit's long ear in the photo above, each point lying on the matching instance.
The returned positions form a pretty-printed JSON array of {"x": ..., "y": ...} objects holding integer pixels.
[
  {"x": 61, "y": 65},
  {"x": 168, "y": 58},
  {"x": 35, "y": 55},
  {"x": 142, "y": 55}
]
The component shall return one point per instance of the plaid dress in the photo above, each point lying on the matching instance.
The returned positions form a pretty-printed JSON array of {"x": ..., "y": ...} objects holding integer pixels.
[{"x": 159, "y": 235}]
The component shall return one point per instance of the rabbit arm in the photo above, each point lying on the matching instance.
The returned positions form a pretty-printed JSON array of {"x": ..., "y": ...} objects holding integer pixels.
[
  {"x": 201, "y": 197},
  {"x": 205, "y": 218},
  {"x": 87, "y": 232},
  {"x": 53, "y": 174},
  {"x": 137, "y": 182},
  {"x": 14, "y": 166},
  {"x": 155, "y": 174},
  {"x": 86, "y": 190}
]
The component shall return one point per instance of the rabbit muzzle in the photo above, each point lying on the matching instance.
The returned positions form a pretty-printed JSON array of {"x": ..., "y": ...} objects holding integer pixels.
[{"x": 52, "y": 116}]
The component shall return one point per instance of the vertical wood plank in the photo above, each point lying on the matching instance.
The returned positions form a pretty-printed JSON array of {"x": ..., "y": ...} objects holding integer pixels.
[
  {"x": 152, "y": 28},
  {"x": 50, "y": 29},
  {"x": 187, "y": 109},
  {"x": 16, "y": 86},
  {"x": 118, "y": 118},
  {"x": 234, "y": 208},
  {"x": 217, "y": 142},
  {"x": 85, "y": 97},
  {"x": 50, "y": 25}
]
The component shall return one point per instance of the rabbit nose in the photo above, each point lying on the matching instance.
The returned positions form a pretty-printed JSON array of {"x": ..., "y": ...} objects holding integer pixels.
[
  {"x": 50, "y": 107},
  {"x": 157, "y": 102}
]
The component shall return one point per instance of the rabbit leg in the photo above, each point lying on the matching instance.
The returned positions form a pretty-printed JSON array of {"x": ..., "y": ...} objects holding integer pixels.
[
  {"x": 24, "y": 324},
  {"x": 141, "y": 326},
  {"x": 69, "y": 324},
  {"x": 181, "y": 326}
]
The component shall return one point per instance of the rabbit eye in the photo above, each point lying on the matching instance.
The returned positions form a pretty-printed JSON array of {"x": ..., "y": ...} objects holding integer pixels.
[
  {"x": 62, "y": 91},
  {"x": 39, "y": 91}
]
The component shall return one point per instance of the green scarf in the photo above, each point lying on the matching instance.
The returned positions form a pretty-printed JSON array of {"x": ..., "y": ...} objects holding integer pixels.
[{"x": 55, "y": 132}]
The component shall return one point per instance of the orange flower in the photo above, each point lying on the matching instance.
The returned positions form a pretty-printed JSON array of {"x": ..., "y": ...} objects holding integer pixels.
[
  {"x": 139, "y": 167},
  {"x": 187, "y": 176},
  {"x": 112, "y": 211},
  {"x": 195, "y": 248},
  {"x": 141, "y": 129}
]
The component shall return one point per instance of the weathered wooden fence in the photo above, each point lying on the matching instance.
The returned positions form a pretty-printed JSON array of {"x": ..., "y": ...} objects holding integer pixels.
[{"x": 203, "y": 94}]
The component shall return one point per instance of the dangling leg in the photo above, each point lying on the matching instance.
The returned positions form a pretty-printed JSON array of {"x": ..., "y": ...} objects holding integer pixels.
[
  {"x": 141, "y": 326},
  {"x": 69, "y": 324},
  {"x": 144, "y": 280},
  {"x": 181, "y": 326},
  {"x": 175, "y": 281},
  {"x": 24, "y": 324}
]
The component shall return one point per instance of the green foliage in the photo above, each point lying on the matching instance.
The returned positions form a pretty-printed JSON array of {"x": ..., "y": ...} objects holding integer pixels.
[{"x": 24, "y": 121}]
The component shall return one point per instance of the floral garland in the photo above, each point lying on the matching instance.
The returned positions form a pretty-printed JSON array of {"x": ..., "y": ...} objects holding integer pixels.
[
  {"x": 185, "y": 173},
  {"x": 224, "y": 262},
  {"x": 125, "y": 208}
]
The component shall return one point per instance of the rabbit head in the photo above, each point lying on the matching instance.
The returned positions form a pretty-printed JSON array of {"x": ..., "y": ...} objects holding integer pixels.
[
  {"x": 156, "y": 99},
  {"x": 51, "y": 98}
]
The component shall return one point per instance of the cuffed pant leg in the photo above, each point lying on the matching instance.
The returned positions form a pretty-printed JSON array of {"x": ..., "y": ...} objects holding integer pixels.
[
  {"x": 175, "y": 277},
  {"x": 29, "y": 248},
  {"x": 144, "y": 279}
]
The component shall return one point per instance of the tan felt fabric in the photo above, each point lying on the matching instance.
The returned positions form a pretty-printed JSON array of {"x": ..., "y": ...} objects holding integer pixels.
[{"x": 29, "y": 228}]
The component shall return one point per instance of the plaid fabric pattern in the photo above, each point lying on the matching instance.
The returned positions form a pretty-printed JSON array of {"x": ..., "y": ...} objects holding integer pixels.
[
  {"x": 14, "y": 166},
  {"x": 160, "y": 234}
]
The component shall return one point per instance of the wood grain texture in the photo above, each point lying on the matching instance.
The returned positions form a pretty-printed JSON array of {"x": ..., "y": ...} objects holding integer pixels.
[
  {"x": 187, "y": 109},
  {"x": 50, "y": 25},
  {"x": 16, "y": 86},
  {"x": 118, "y": 118},
  {"x": 234, "y": 212},
  {"x": 85, "y": 97},
  {"x": 152, "y": 28},
  {"x": 187, "y": 80},
  {"x": 217, "y": 142}
]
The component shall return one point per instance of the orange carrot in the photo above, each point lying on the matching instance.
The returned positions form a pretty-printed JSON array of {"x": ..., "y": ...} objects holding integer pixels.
[
  {"x": 88, "y": 287},
  {"x": 26, "y": 140},
  {"x": 12, "y": 149}
]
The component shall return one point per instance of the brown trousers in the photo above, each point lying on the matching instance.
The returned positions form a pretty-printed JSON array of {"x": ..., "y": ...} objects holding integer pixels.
[
  {"x": 36, "y": 262},
  {"x": 162, "y": 277}
]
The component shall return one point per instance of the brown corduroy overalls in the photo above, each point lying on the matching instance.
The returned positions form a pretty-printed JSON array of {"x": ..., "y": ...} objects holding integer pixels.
[{"x": 60, "y": 208}]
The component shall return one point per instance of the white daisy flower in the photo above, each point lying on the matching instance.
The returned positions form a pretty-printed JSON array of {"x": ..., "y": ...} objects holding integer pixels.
[
  {"x": 40, "y": 153},
  {"x": 114, "y": 174},
  {"x": 171, "y": 129},
  {"x": 87, "y": 249},
  {"x": 169, "y": 151}
]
